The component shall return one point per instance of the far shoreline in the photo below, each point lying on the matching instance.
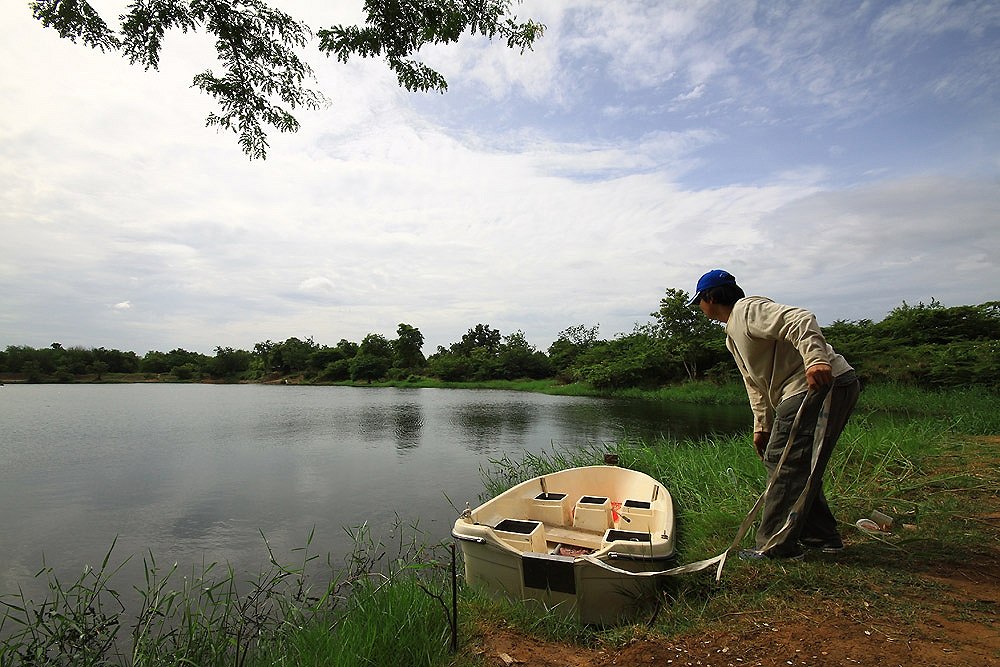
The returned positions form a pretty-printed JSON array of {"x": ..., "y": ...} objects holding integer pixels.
[{"x": 698, "y": 391}]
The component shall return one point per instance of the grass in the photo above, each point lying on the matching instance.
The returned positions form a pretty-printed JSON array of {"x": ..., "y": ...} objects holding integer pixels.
[
  {"x": 925, "y": 458},
  {"x": 929, "y": 459},
  {"x": 370, "y": 610}
]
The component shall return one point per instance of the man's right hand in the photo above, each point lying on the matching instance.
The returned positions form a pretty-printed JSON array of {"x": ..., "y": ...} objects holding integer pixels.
[{"x": 760, "y": 439}]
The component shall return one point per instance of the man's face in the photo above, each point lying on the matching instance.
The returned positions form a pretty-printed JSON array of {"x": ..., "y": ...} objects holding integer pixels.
[{"x": 711, "y": 310}]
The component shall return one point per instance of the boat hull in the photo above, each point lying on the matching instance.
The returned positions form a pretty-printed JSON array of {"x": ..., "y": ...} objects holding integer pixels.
[{"x": 575, "y": 541}]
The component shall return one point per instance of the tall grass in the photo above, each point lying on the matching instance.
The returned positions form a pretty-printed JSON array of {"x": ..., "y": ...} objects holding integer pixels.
[
  {"x": 971, "y": 410},
  {"x": 905, "y": 452},
  {"x": 369, "y": 610},
  {"x": 879, "y": 462}
]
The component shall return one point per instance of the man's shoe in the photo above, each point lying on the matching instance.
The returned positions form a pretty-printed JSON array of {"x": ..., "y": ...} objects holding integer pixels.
[
  {"x": 825, "y": 545},
  {"x": 754, "y": 555}
]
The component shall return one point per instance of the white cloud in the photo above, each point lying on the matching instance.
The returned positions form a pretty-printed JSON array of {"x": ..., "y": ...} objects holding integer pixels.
[
  {"x": 693, "y": 94},
  {"x": 869, "y": 248},
  {"x": 922, "y": 17},
  {"x": 317, "y": 285},
  {"x": 543, "y": 191}
]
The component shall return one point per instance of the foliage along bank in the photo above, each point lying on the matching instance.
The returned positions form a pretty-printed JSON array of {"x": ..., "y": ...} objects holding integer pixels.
[{"x": 927, "y": 344}]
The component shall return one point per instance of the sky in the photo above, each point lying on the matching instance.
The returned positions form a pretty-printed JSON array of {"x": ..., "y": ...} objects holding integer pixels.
[{"x": 841, "y": 156}]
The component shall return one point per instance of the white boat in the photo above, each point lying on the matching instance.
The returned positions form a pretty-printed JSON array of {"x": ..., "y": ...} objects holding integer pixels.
[{"x": 576, "y": 540}]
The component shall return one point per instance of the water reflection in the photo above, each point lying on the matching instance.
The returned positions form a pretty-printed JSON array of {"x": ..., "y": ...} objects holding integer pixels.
[
  {"x": 650, "y": 420},
  {"x": 407, "y": 422},
  {"x": 482, "y": 426},
  {"x": 198, "y": 521},
  {"x": 373, "y": 423}
]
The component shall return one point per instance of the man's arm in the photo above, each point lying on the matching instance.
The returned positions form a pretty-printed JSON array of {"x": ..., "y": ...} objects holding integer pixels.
[{"x": 798, "y": 326}]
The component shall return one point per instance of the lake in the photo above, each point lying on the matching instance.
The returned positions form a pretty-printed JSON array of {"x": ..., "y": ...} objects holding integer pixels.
[{"x": 194, "y": 473}]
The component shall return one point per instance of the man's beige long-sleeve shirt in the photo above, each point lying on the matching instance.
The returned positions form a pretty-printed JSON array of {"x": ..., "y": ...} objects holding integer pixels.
[{"x": 773, "y": 346}]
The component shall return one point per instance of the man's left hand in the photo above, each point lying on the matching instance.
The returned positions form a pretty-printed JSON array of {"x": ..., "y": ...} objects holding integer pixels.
[
  {"x": 760, "y": 440},
  {"x": 819, "y": 375}
]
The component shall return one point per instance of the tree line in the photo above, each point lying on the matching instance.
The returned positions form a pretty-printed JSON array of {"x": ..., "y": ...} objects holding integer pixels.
[{"x": 927, "y": 344}]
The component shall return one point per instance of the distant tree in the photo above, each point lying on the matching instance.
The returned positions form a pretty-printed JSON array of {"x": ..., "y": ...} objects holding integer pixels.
[
  {"x": 687, "y": 335},
  {"x": 368, "y": 367},
  {"x": 17, "y": 356},
  {"x": 449, "y": 366},
  {"x": 337, "y": 360},
  {"x": 347, "y": 348},
  {"x": 76, "y": 360},
  {"x": 187, "y": 371},
  {"x": 373, "y": 360},
  {"x": 323, "y": 356},
  {"x": 407, "y": 348},
  {"x": 474, "y": 357},
  {"x": 154, "y": 361},
  {"x": 45, "y": 359},
  {"x": 935, "y": 323},
  {"x": 261, "y": 359},
  {"x": 181, "y": 357},
  {"x": 262, "y": 76},
  {"x": 336, "y": 371},
  {"x": 376, "y": 345},
  {"x": 569, "y": 344},
  {"x": 99, "y": 368},
  {"x": 32, "y": 373},
  {"x": 634, "y": 360},
  {"x": 292, "y": 356},
  {"x": 117, "y": 360},
  {"x": 519, "y": 359},
  {"x": 855, "y": 339},
  {"x": 480, "y": 336},
  {"x": 928, "y": 344},
  {"x": 158, "y": 362},
  {"x": 229, "y": 362}
]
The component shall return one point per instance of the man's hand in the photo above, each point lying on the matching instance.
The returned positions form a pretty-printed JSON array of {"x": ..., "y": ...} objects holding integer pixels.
[
  {"x": 760, "y": 439},
  {"x": 819, "y": 375}
]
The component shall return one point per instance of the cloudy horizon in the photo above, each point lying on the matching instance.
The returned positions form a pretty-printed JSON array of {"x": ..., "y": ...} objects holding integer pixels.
[{"x": 842, "y": 157}]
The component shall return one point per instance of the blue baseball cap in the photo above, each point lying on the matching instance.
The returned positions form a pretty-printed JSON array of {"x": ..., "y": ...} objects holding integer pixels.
[{"x": 714, "y": 278}]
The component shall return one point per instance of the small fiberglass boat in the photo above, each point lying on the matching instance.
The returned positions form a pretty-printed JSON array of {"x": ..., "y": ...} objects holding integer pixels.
[{"x": 577, "y": 540}]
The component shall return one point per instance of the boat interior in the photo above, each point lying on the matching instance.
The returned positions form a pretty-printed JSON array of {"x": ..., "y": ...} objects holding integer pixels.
[{"x": 564, "y": 515}]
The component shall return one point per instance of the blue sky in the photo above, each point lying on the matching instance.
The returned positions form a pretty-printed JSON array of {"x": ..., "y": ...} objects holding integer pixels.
[{"x": 840, "y": 156}]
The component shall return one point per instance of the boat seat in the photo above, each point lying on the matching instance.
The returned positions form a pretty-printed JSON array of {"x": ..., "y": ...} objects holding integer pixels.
[
  {"x": 522, "y": 535},
  {"x": 593, "y": 513},
  {"x": 550, "y": 508},
  {"x": 639, "y": 514}
]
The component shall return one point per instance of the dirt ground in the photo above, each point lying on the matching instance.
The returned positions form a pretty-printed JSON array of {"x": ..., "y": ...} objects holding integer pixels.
[{"x": 945, "y": 635}]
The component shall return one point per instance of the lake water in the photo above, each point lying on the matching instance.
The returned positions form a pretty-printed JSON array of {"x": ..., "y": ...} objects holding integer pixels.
[{"x": 195, "y": 473}]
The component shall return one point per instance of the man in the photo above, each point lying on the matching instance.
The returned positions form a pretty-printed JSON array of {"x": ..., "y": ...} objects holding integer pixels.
[{"x": 788, "y": 368}]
